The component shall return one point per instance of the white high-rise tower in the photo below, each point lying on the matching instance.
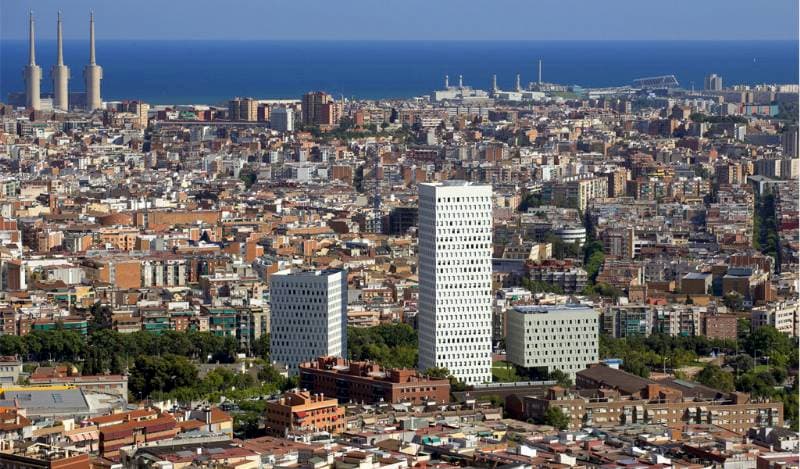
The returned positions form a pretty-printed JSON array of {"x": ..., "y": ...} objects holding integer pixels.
[
  {"x": 32, "y": 72},
  {"x": 93, "y": 73},
  {"x": 455, "y": 279},
  {"x": 60, "y": 75}
]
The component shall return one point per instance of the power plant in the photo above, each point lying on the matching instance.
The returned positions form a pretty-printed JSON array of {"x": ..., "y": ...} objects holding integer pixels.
[{"x": 60, "y": 74}]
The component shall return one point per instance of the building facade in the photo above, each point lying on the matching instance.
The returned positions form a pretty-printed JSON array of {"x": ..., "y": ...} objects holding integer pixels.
[
  {"x": 282, "y": 119},
  {"x": 308, "y": 316},
  {"x": 304, "y": 412},
  {"x": 554, "y": 337},
  {"x": 368, "y": 383},
  {"x": 455, "y": 279}
]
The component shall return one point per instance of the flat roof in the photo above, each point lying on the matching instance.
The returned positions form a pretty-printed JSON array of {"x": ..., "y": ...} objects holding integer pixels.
[
  {"x": 543, "y": 309},
  {"x": 696, "y": 276},
  {"x": 452, "y": 183}
]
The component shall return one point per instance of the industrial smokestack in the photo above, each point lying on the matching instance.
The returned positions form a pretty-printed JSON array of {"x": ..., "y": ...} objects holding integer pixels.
[
  {"x": 540, "y": 71},
  {"x": 518, "y": 83},
  {"x": 32, "y": 72},
  {"x": 60, "y": 74},
  {"x": 93, "y": 73},
  {"x": 494, "y": 83}
]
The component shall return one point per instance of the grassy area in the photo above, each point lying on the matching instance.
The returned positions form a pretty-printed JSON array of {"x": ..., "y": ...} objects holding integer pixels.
[{"x": 504, "y": 372}]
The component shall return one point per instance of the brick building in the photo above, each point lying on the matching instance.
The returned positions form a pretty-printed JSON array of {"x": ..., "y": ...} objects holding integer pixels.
[
  {"x": 136, "y": 428},
  {"x": 368, "y": 383},
  {"x": 607, "y": 397},
  {"x": 301, "y": 411},
  {"x": 720, "y": 326}
]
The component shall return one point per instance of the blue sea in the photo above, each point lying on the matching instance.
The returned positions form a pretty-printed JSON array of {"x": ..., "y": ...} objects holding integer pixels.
[{"x": 180, "y": 72}]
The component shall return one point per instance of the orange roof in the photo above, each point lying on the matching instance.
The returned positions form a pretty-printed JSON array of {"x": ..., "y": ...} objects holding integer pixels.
[
  {"x": 121, "y": 427},
  {"x": 219, "y": 416},
  {"x": 122, "y": 416},
  {"x": 190, "y": 425}
]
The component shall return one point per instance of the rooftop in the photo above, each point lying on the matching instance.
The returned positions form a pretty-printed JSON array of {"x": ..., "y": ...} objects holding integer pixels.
[{"x": 544, "y": 309}]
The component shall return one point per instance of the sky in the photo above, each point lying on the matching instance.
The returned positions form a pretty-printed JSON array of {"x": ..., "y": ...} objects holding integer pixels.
[{"x": 409, "y": 19}]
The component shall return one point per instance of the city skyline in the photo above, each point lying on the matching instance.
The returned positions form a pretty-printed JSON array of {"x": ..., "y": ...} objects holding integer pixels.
[
  {"x": 399, "y": 235},
  {"x": 448, "y": 20}
]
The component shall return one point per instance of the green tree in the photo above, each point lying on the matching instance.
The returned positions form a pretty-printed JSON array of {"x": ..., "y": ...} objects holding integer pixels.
[
  {"x": 391, "y": 345},
  {"x": 561, "y": 378},
  {"x": 593, "y": 258},
  {"x": 733, "y": 300},
  {"x": 161, "y": 374},
  {"x": 13, "y": 345},
  {"x": 715, "y": 377},
  {"x": 555, "y": 417},
  {"x": 100, "y": 315},
  {"x": 261, "y": 347},
  {"x": 437, "y": 372},
  {"x": 117, "y": 365}
]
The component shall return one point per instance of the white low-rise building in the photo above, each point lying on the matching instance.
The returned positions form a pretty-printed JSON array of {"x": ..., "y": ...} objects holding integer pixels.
[{"x": 561, "y": 337}]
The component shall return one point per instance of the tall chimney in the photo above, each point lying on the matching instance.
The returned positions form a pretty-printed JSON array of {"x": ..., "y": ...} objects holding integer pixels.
[
  {"x": 32, "y": 72},
  {"x": 518, "y": 84},
  {"x": 494, "y": 83},
  {"x": 60, "y": 75},
  {"x": 93, "y": 73},
  {"x": 540, "y": 71}
]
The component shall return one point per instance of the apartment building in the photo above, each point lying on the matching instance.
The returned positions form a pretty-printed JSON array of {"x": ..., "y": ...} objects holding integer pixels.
[{"x": 301, "y": 411}]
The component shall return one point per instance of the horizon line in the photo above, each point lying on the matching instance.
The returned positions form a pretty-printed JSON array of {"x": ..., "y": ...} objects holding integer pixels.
[{"x": 192, "y": 39}]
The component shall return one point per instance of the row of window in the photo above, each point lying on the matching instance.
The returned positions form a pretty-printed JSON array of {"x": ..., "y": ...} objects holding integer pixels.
[
  {"x": 466, "y": 199},
  {"x": 557, "y": 322}
]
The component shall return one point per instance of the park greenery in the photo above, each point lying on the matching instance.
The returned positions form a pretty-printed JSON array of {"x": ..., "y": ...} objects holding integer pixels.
[{"x": 391, "y": 345}]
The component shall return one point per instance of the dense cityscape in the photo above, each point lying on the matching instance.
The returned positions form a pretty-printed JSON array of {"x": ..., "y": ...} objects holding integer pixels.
[{"x": 542, "y": 276}]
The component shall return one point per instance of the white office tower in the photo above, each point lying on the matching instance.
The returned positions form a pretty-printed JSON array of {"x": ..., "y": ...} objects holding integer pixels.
[
  {"x": 553, "y": 337},
  {"x": 92, "y": 74},
  {"x": 282, "y": 119},
  {"x": 308, "y": 316},
  {"x": 60, "y": 75},
  {"x": 455, "y": 279},
  {"x": 32, "y": 73}
]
